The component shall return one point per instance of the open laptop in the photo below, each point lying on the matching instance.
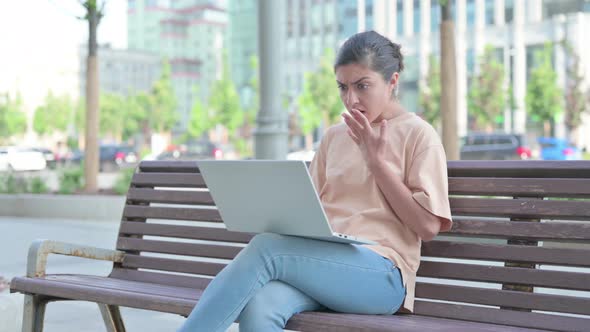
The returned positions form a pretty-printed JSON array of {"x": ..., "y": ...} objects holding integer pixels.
[{"x": 275, "y": 196}]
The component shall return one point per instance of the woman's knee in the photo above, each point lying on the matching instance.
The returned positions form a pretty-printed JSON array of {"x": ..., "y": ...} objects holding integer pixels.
[{"x": 260, "y": 315}]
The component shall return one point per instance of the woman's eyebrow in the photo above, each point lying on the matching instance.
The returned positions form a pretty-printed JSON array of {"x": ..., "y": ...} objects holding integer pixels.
[{"x": 358, "y": 81}]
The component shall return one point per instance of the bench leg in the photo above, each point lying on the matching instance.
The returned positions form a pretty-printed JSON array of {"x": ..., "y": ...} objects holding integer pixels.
[
  {"x": 112, "y": 317},
  {"x": 33, "y": 313}
]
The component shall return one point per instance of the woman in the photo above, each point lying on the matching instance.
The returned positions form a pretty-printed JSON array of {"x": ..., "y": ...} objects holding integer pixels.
[{"x": 381, "y": 175}]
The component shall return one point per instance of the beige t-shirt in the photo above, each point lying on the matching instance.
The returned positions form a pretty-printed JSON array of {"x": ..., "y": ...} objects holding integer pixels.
[{"x": 356, "y": 206}]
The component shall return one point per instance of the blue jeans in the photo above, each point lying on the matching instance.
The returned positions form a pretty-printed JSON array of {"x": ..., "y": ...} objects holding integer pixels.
[{"x": 277, "y": 276}]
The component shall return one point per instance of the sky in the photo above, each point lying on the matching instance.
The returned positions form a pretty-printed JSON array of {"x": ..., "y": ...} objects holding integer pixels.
[{"x": 39, "y": 42}]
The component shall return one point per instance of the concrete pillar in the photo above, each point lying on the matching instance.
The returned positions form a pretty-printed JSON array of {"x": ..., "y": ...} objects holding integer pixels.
[
  {"x": 519, "y": 71},
  {"x": 499, "y": 15},
  {"x": 508, "y": 110},
  {"x": 479, "y": 39},
  {"x": 271, "y": 131},
  {"x": 535, "y": 10},
  {"x": 361, "y": 16},
  {"x": 425, "y": 37},
  {"x": 379, "y": 16},
  {"x": 392, "y": 19},
  {"x": 560, "y": 33},
  {"x": 408, "y": 18},
  {"x": 461, "y": 21}
]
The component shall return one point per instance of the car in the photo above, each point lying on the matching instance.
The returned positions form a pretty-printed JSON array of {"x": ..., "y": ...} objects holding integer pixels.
[
  {"x": 49, "y": 156},
  {"x": 495, "y": 146},
  {"x": 4, "y": 165},
  {"x": 22, "y": 159},
  {"x": 558, "y": 149},
  {"x": 192, "y": 151},
  {"x": 116, "y": 156}
]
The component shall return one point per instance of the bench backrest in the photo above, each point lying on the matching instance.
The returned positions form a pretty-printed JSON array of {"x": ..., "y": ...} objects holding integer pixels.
[{"x": 519, "y": 246}]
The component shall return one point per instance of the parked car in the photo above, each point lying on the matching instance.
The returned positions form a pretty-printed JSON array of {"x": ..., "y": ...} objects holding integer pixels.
[
  {"x": 49, "y": 156},
  {"x": 4, "y": 166},
  {"x": 22, "y": 159},
  {"x": 192, "y": 151},
  {"x": 558, "y": 149},
  {"x": 111, "y": 157},
  {"x": 499, "y": 146}
]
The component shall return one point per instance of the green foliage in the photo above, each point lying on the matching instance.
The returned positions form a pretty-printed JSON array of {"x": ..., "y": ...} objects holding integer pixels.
[
  {"x": 429, "y": 98},
  {"x": 71, "y": 180},
  {"x": 37, "y": 185},
  {"x": 575, "y": 100},
  {"x": 320, "y": 100},
  {"x": 224, "y": 103},
  {"x": 487, "y": 96},
  {"x": 162, "y": 102},
  {"x": 200, "y": 121},
  {"x": 543, "y": 95},
  {"x": 13, "y": 120},
  {"x": 54, "y": 115},
  {"x": 123, "y": 181},
  {"x": 12, "y": 184}
]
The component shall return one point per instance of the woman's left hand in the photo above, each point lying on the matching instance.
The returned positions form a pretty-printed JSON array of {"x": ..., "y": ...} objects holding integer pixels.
[{"x": 372, "y": 143}]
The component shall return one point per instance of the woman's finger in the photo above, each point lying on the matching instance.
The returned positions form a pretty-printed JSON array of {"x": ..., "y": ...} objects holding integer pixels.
[{"x": 353, "y": 136}]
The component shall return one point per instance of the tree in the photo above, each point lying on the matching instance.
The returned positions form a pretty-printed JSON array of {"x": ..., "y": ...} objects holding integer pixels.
[
  {"x": 13, "y": 120},
  {"x": 224, "y": 103},
  {"x": 575, "y": 101},
  {"x": 54, "y": 115},
  {"x": 487, "y": 96},
  {"x": 429, "y": 98},
  {"x": 448, "y": 78},
  {"x": 94, "y": 14},
  {"x": 112, "y": 115},
  {"x": 200, "y": 121},
  {"x": 543, "y": 96},
  {"x": 162, "y": 113},
  {"x": 320, "y": 102}
]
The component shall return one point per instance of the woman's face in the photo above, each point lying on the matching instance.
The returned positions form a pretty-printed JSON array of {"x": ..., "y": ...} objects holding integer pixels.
[{"x": 365, "y": 90}]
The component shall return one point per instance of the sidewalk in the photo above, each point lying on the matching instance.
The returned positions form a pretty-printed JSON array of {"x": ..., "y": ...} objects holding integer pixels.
[{"x": 15, "y": 236}]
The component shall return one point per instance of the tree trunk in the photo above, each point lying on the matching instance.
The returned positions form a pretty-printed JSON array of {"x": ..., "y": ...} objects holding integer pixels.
[
  {"x": 448, "y": 84},
  {"x": 92, "y": 107}
]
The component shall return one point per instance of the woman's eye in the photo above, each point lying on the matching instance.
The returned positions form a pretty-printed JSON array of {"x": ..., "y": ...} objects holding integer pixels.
[
  {"x": 362, "y": 86},
  {"x": 341, "y": 87}
]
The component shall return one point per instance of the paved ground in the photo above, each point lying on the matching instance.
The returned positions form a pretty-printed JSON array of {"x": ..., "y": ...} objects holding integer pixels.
[{"x": 15, "y": 236}]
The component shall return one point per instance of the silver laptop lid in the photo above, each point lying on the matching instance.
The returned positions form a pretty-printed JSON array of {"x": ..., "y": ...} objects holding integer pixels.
[{"x": 266, "y": 196}]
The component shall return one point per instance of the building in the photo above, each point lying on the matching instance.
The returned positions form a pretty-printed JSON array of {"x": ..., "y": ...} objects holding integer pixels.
[
  {"x": 516, "y": 29},
  {"x": 123, "y": 72},
  {"x": 190, "y": 35}
]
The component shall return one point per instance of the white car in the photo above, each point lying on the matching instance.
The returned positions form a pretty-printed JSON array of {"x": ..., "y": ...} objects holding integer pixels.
[{"x": 21, "y": 159}]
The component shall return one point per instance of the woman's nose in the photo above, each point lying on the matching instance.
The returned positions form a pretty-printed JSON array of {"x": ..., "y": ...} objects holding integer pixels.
[{"x": 351, "y": 98}]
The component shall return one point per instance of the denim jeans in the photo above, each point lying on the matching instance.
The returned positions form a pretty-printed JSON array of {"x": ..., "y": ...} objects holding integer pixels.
[{"x": 277, "y": 276}]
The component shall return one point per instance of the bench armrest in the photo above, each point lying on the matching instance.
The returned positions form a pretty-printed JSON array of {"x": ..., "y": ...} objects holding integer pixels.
[{"x": 40, "y": 249}]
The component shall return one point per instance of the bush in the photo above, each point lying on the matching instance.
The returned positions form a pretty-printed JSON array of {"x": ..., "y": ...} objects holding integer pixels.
[
  {"x": 123, "y": 181},
  {"x": 37, "y": 186},
  {"x": 71, "y": 180},
  {"x": 10, "y": 184}
]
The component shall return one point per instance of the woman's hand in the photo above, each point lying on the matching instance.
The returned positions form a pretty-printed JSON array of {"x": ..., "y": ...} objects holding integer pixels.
[{"x": 372, "y": 143}]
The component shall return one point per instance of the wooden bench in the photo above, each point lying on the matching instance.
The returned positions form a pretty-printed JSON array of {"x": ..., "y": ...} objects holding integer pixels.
[{"x": 519, "y": 226}]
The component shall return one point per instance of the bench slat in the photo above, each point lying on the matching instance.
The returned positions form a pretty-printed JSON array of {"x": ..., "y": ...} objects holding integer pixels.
[
  {"x": 497, "y": 297},
  {"x": 184, "y": 232},
  {"x": 172, "y": 265},
  {"x": 178, "y": 248},
  {"x": 513, "y": 253},
  {"x": 514, "y": 187},
  {"x": 497, "y": 316},
  {"x": 579, "y": 169},
  {"x": 160, "y": 278},
  {"x": 157, "y": 166},
  {"x": 511, "y": 275},
  {"x": 520, "y": 208},
  {"x": 182, "y": 180},
  {"x": 522, "y": 229},
  {"x": 146, "y": 195},
  {"x": 189, "y": 214}
]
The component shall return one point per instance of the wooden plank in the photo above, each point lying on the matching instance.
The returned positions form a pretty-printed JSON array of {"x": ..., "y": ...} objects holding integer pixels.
[
  {"x": 182, "y": 180},
  {"x": 160, "y": 278},
  {"x": 521, "y": 229},
  {"x": 155, "y": 166},
  {"x": 579, "y": 169},
  {"x": 184, "y": 232},
  {"x": 178, "y": 248},
  {"x": 496, "y": 297},
  {"x": 520, "y": 208},
  {"x": 498, "y": 274},
  {"x": 188, "y": 214},
  {"x": 496, "y": 252},
  {"x": 514, "y": 187},
  {"x": 497, "y": 316},
  {"x": 147, "y": 195},
  {"x": 172, "y": 265}
]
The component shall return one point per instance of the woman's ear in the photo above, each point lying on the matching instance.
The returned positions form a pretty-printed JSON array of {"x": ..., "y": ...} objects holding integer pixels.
[{"x": 393, "y": 82}]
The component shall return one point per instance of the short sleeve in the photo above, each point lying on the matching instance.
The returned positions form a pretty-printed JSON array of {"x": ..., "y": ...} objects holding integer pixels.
[{"x": 428, "y": 181}]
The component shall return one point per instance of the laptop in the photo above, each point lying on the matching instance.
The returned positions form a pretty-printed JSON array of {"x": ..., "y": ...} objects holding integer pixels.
[{"x": 274, "y": 196}]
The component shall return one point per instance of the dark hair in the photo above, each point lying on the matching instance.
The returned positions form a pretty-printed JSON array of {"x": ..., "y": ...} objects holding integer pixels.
[{"x": 373, "y": 50}]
